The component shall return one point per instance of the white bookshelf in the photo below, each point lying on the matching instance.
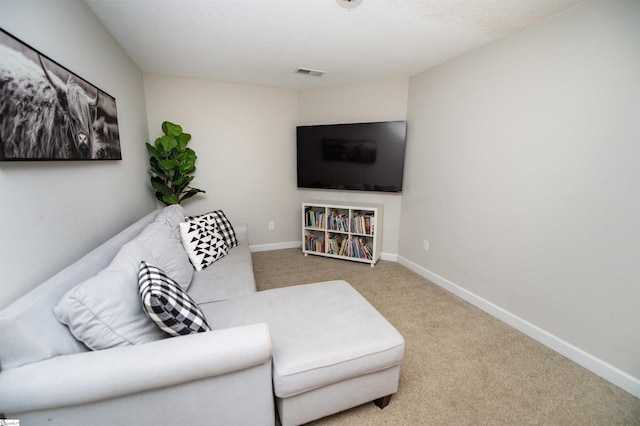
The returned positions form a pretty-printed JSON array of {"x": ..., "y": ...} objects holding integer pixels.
[{"x": 342, "y": 230}]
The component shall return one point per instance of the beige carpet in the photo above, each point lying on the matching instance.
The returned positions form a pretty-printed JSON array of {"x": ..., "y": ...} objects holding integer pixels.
[{"x": 461, "y": 365}]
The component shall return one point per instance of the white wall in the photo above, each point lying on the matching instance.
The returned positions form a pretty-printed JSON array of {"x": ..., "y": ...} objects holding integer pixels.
[
  {"x": 51, "y": 213},
  {"x": 524, "y": 173},
  {"x": 244, "y": 137},
  {"x": 358, "y": 103}
]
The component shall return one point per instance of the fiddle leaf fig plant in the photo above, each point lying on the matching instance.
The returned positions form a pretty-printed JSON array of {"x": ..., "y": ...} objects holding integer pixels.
[{"x": 172, "y": 164}]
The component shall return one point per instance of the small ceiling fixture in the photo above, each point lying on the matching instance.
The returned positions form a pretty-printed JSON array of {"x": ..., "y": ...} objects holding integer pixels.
[
  {"x": 309, "y": 71},
  {"x": 349, "y": 4}
]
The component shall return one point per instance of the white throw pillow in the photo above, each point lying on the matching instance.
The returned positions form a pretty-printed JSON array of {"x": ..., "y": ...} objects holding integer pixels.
[
  {"x": 223, "y": 226},
  {"x": 202, "y": 243}
]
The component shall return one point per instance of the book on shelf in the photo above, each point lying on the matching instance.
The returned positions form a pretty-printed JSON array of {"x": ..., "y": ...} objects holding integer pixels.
[
  {"x": 314, "y": 218},
  {"x": 362, "y": 223},
  {"x": 356, "y": 247},
  {"x": 338, "y": 221},
  {"x": 334, "y": 244},
  {"x": 314, "y": 242}
]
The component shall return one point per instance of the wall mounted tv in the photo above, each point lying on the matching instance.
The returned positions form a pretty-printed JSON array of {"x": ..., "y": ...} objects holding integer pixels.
[{"x": 361, "y": 156}]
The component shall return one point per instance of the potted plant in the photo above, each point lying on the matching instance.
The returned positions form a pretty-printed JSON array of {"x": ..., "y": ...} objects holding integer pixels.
[{"x": 171, "y": 165}]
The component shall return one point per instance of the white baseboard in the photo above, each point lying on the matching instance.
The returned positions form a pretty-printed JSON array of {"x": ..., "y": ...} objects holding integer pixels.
[
  {"x": 389, "y": 256},
  {"x": 275, "y": 246},
  {"x": 608, "y": 372}
]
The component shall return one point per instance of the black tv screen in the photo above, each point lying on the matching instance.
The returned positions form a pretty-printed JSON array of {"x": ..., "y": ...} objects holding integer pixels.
[{"x": 361, "y": 156}]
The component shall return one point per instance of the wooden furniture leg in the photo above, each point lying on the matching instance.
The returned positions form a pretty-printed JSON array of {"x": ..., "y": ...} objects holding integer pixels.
[{"x": 383, "y": 402}]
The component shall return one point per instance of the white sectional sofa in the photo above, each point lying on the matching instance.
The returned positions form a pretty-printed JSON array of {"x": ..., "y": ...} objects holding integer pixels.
[{"x": 78, "y": 349}]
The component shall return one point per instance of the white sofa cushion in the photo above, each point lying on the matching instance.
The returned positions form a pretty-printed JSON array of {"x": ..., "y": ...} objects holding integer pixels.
[
  {"x": 105, "y": 310},
  {"x": 231, "y": 276},
  {"x": 167, "y": 304},
  {"x": 162, "y": 241}
]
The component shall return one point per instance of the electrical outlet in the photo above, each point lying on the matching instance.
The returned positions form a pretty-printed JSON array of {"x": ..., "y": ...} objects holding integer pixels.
[
  {"x": 425, "y": 245},
  {"x": 272, "y": 226}
]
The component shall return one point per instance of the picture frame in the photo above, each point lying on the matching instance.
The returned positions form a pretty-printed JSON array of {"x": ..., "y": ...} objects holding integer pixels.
[{"x": 49, "y": 113}]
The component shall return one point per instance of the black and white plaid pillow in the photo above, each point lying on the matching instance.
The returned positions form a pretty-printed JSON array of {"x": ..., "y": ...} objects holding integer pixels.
[
  {"x": 202, "y": 242},
  {"x": 224, "y": 226},
  {"x": 167, "y": 304}
]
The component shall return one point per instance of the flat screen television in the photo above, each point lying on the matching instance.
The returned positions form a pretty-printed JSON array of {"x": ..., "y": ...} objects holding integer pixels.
[{"x": 359, "y": 156}]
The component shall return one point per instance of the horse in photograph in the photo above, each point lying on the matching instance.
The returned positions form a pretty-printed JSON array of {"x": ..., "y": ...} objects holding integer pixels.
[{"x": 41, "y": 116}]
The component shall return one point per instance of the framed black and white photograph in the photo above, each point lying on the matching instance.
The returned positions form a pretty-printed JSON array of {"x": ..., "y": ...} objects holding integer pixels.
[{"x": 49, "y": 113}]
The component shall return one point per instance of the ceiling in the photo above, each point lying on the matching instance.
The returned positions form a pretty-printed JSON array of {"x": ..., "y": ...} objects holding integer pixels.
[{"x": 263, "y": 42}]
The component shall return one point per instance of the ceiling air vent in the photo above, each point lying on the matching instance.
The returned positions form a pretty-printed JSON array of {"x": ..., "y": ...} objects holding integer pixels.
[{"x": 308, "y": 71}]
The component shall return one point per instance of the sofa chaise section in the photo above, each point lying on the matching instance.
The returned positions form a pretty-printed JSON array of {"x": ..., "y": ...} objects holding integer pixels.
[{"x": 332, "y": 350}]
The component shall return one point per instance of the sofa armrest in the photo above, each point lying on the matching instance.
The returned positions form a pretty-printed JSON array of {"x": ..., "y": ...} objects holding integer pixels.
[{"x": 93, "y": 376}]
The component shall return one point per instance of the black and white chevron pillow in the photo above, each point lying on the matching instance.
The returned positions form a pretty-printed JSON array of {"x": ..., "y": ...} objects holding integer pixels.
[
  {"x": 202, "y": 242},
  {"x": 223, "y": 225},
  {"x": 167, "y": 304}
]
